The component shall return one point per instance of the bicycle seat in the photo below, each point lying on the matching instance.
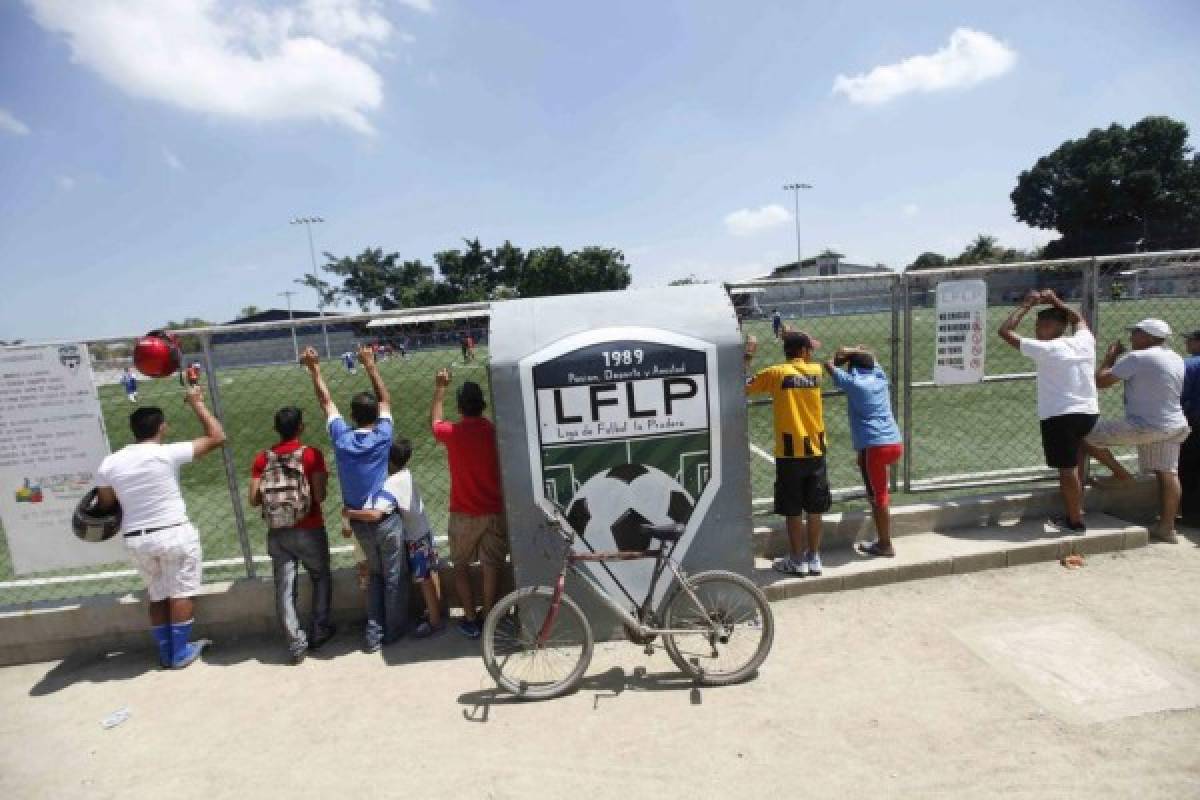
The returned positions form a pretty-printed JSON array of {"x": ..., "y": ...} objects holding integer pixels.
[{"x": 667, "y": 532}]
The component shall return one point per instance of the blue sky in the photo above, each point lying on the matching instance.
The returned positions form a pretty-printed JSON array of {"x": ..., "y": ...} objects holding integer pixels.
[{"x": 152, "y": 153}]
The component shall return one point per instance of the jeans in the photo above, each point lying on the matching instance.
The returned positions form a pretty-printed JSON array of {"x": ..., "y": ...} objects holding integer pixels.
[
  {"x": 389, "y": 586},
  {"x": 1189, "y": 472},
  {"x": 289, "y": 547}
]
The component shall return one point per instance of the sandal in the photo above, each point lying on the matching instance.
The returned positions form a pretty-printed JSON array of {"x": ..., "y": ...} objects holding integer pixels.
[{"x": 873, "y": 549}]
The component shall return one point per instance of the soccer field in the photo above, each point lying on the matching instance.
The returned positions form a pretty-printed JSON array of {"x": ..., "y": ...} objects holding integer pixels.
[{"x": 956, "y": 430}]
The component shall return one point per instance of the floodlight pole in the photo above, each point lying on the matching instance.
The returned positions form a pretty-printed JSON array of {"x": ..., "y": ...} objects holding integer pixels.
[
  {"x": 795, "y": 188},
  {"x": 308, "y": 222},
  {"x": 295, "y": 344}
]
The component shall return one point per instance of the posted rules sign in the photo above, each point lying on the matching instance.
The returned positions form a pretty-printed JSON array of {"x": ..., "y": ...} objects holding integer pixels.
[
  {"x": 51, "y": 441},
  {"x": 961, "y": 346}
]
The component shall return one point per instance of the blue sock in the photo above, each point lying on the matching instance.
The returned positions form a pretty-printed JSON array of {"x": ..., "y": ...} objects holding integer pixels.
[
  {"x": 180, "y": 633},
  {"x": 162, "y": 637}
]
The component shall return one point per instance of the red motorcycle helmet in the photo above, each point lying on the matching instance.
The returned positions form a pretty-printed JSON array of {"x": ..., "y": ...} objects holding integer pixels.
[{"x": 157, "y": 354}]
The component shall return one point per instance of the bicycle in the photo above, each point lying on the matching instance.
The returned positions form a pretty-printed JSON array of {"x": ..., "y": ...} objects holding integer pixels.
[{"x": 537, "y": 642}]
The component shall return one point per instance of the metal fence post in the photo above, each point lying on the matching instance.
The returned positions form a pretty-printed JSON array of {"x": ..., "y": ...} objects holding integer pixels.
[
  {"x": 235, "y": 496},
  {"x": 894, "y": 360},
  {"x": 1090, "y": 294},
  {"x": 906, "y": 288}
]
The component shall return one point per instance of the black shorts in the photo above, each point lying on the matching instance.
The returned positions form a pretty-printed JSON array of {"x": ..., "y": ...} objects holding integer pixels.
[
  {"x": 801, "y": 485},
  {"x": 1062, "y": 437}
]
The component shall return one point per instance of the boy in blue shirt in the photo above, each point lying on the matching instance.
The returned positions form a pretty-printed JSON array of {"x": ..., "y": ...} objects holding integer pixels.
[
  {"x": 361, "y": 453},
  {"x": 874, "y": 433}
]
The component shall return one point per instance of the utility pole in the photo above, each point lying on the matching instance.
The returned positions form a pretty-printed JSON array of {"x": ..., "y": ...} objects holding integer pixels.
[
  {"x": 295, "y": 345},
  {"x": 308, "y": 222},
  {"x": 795, "y": 188}
]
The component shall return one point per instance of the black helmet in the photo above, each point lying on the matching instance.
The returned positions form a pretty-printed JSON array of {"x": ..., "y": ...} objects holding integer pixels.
[{"x": 92, "y": 525}]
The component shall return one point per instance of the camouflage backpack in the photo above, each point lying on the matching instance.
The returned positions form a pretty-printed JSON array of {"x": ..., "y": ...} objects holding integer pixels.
[{"x": 286, "y": 494}]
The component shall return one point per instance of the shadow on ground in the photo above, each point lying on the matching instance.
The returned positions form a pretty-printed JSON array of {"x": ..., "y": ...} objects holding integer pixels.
[{"x": 606, "y": 686}]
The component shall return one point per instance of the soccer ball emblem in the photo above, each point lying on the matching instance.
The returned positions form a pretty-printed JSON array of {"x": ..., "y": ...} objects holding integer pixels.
[{"x": 612, "y": 506}]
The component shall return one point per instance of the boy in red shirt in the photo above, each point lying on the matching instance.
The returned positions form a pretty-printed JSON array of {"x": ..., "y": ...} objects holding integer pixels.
[
  {"x": 476, "y": 529},
  {"x": 300, "y": 537}
]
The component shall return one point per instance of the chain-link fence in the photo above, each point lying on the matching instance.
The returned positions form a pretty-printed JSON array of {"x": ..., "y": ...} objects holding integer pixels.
[
  {"x": 956, "y": 436},
  {"x": 855, "y": 310}
]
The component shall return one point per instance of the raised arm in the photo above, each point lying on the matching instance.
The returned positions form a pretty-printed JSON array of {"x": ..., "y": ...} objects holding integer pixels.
[
  {"x": 1074, "y": 318},
  {"x": 1014, "y": 319},
  {"x": 367, "y": 356},
  {"x": 214, "y": 434},
  {"x": 312, "y": 362},
  {"x": 1104, "y": 374},
  {"x": 440, "y": 382}
]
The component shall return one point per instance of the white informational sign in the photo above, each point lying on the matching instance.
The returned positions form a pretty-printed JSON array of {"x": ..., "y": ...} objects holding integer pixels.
[
  {"x": 51, "y": 442},
  {"x": 960, "y": 347}
]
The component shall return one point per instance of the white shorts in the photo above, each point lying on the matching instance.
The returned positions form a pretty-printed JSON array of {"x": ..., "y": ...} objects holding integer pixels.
[
  {"x": 169, "y": 561},
  {"x": 1158, "y": 451}
]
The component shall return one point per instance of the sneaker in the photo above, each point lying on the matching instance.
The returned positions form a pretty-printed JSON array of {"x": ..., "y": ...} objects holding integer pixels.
[
  {"x": 297, "y": 658},
  {"x": 814, "y": 563},
  {"x": 791, "y": 566},
  {"x": 470, "y": 629},
  {"x": 425, "y": 630},
  {"x": 324, "y": 636},
  {"x": 1064, "y": 525},
  {"x": 190, "y": 654},
  {"x": 373, "y": 647}
]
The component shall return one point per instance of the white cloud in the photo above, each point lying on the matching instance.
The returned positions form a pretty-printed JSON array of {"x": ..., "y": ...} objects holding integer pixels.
[
  {"x": 752, "y": 221},
  {"x": 10, "y": 124},
  {"x": 419, "y": 5},
  {"x": 970, "y": 57},
  {"x": 910, "y": 209},
  {"x": 172, "y": 160},
  {"x": 65, "y": 182},
  {"x": 306, "y": 60}
]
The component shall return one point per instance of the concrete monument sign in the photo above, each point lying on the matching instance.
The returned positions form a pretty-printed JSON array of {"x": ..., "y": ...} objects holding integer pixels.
[{"x": 623, "y": 408}]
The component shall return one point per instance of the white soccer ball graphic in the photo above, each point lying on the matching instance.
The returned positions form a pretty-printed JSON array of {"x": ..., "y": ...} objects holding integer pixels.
[{"x": 611, "y": 507}]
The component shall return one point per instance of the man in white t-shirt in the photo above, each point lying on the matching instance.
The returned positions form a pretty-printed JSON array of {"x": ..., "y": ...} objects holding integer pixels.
[
  {"x": 1067, "y": 404},
  {"x": 144, "y": 478},
  {"x": 1154, "y": 420}
]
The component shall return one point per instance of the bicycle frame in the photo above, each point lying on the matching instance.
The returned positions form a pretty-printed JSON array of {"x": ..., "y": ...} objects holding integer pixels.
[{"x": 662, "y": 556}]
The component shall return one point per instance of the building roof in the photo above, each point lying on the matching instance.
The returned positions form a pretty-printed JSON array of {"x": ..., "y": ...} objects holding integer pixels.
[{"x": 280, "y": 314}]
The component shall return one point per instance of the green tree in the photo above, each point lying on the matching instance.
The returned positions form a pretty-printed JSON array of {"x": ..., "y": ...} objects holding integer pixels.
[
  {"x": 1115, "y": 190},
  {"x": 383, "y": 280},
  {"x": 927, "y": 260},
  {"x": 249, "y": 311}
]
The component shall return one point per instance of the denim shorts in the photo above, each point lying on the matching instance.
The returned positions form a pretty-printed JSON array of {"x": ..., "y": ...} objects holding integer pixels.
[{"x": 422, "y": 557}]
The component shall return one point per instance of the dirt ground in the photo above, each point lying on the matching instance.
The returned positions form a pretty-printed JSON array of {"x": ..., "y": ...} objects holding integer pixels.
[{"x": 868, "y": 693}]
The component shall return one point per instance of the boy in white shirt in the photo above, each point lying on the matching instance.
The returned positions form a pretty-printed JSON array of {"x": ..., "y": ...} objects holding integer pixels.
[
  {"x": 400, "y": 495},
  {"x": 1067, "y": 403}
]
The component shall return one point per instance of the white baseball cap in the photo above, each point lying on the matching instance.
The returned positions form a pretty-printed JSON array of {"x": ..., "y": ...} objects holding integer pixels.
[{"x": 1153, "y": 327}]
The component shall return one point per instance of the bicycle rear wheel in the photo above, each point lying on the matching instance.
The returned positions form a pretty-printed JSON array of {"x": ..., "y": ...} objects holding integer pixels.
[
  {"x": 513, "y": 656},
  {"x": 733, "y": 623}
]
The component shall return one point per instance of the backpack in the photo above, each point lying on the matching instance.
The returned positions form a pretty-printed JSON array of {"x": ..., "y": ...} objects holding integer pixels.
[{"x": 286, "y": 494}]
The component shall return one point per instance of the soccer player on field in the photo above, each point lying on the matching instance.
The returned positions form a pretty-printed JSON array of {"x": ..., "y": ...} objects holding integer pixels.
[
  {"x": 1064, "y": 351},
  {"x": 801, "y": 483},
  {"x": 144, "y": 479},
  {"x": 873, "y": 432}
]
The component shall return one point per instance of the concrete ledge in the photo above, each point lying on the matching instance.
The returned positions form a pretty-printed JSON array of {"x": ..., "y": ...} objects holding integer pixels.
[
  {"x": 246, "y": 607},
  {"x": 977, "y": 511},
  {"x": 929, "y": 555}
]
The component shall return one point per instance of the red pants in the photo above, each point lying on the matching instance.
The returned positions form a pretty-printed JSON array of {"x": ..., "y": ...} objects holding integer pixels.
[{"x": 873, "y": 463}]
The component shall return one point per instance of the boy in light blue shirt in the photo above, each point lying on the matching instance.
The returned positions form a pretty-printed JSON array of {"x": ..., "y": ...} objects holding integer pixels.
[{"x": 873, "y": 433}]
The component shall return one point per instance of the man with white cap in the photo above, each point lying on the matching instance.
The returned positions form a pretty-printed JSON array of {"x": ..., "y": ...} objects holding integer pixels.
[{"x": 1154, "y": 420}]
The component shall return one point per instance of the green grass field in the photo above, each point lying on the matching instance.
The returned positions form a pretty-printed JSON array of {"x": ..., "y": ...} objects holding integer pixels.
[{"x": 955, "y": 430}]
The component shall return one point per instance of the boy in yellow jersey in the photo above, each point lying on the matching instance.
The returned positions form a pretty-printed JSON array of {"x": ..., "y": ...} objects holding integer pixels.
[{"x": 801, "y": 485}]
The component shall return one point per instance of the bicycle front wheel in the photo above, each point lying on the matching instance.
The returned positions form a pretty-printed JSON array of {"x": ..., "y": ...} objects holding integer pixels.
[
  {"x": 732, "y": 623},
  {"x": 515, "y": 658}
]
